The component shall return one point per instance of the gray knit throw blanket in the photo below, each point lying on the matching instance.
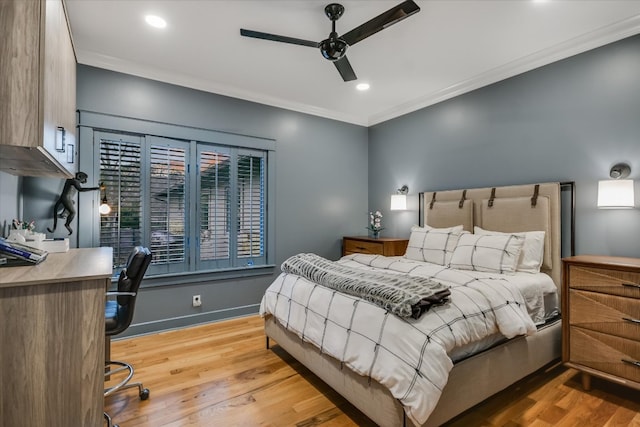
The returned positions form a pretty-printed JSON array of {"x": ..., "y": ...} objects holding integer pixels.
[{"x": 403, "y": 295}]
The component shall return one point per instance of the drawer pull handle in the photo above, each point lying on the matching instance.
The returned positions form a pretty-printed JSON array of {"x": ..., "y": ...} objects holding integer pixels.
[
  {"x": 361, "y": 248},
  {"x": 631, "y": 285},
  {"x": 631, "y": 320},
  {"x": 631, "y": 362}
]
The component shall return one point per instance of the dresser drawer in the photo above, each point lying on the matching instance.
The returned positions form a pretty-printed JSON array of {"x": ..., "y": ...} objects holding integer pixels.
[
  {"x": 609, "y": 314},
  {"x": 605, "y": 353},
  {"x": 363, "y": 247},
  {"x": 608, "y": 281}
]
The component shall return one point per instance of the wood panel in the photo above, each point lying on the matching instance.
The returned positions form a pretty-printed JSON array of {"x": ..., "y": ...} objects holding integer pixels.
[
  {"x": 76, "y": 264},
  {"x": 52, "y": 340},
  {"x": 605, "y": 280},
  {"x": 37, "y": 89},
  {"x": 221, "y": 374},
  {"x": 386, "y": 246},
  {"x": 605, "y": 353},
  {"x": 20, "y": 112},
  {"x": 363, "y": 247},
  {"x": 605, "y": 313},
  {"x": 59, "y": 87},
  {"x": 52, "y": 354}
]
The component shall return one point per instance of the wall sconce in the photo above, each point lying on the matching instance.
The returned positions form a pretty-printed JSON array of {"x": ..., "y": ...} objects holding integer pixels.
[
  {"x": 104, "y": 209},
  {"x": 399, "y": 200},
  {"x": 617, "y": 193}
]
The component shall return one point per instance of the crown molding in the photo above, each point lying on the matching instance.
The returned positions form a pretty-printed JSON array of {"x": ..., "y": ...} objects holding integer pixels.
[
  {"x": 128, "y": 67},
  {"x": 577, "y": 45}
]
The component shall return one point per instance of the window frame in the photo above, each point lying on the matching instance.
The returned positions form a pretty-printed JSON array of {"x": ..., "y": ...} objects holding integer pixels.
[{"x": 92, "y": 125}]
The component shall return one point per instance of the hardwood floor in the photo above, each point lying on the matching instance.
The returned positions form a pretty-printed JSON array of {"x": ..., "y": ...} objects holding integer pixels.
[{"x": 221, "y": 374}]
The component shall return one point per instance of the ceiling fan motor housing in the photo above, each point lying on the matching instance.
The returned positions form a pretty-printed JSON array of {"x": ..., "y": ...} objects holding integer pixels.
[{"x": 333, "y": 48}]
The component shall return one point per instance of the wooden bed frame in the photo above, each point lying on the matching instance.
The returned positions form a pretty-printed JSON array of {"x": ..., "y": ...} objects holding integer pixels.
[{"x": 478, "y": 377}]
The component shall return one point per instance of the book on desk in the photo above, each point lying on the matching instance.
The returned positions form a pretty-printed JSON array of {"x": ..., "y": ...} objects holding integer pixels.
[{"x": 13, "y": 254}]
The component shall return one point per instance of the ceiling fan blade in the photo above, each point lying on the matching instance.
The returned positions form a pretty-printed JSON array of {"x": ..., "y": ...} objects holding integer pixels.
[
  {"x": 380, "y": 22},
  {"x": 345, "y": 70},
  {"x": 276, "y": 38}
]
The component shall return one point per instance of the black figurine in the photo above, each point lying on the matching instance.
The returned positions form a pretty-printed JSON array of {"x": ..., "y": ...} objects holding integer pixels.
[{"x": 66, "y": 201}]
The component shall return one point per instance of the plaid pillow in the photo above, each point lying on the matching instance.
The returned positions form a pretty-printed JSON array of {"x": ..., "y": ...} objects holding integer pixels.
[
  {"x": 532, "y": 253},
  {"x": 491, "y": 253},
  {"x": 434, "y": 245}
]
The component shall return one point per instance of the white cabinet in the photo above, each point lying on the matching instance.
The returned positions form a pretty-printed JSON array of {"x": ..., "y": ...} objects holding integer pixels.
[{"x": 37, "y": 90}]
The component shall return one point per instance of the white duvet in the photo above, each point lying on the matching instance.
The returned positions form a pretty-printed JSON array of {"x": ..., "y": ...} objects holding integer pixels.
[{"x": 408, "y": 356}]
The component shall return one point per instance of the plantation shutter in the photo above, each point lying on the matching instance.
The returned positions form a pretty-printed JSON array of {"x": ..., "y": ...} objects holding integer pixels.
[
  {"x": 167, "y": 204},
  {"x": 205, "y": 216},
  {"x": 120, "y": 174},
  {"x": 214, "y": 180},
  {"x": 251, "y": 207}
]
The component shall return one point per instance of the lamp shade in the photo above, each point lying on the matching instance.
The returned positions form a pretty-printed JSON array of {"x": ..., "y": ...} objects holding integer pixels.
[
  {"x": 398, "y": 202},
  {"x": 614, "y": 194}
]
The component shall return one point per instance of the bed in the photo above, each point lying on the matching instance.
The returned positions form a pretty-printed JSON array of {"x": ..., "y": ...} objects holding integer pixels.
[{"x": 521, "y": 328}]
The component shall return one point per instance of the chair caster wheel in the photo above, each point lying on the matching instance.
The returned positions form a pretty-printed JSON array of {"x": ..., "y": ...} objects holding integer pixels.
[{"x": 144, "y": 394}]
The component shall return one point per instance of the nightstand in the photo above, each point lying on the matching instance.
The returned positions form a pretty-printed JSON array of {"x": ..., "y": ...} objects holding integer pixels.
[
  {"x": 387, "y": 246},
  {"x": 601, "y": 318}
]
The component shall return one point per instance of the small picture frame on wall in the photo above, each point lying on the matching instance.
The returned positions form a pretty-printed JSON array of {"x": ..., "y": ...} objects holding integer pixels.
[{"x": 70, "y": 153}]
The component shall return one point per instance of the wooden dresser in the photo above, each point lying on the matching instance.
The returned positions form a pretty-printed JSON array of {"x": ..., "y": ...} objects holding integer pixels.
[
  {"x": 52, "y": 340},
  {"x": 387, "y": 246},
  {"x": 601, "y": 318}
]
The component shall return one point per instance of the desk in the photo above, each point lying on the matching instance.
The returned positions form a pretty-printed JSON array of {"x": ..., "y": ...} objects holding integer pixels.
[{"x": 52, "y": 340}]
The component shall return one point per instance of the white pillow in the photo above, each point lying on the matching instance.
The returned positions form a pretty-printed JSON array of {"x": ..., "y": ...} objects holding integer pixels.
[
  {"x": 490, "y": 253},
  {"x": 532, "y": 253},
  {"x": 434, "y": 245}
]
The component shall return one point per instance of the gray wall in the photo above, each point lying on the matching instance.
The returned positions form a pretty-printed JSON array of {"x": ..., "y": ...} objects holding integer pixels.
[
  {"x": 10, "y": 202},
  {"x": 568, "y": 121},
  {"x": 40, "y": 196},
  {"x": 320, "y": 184}
]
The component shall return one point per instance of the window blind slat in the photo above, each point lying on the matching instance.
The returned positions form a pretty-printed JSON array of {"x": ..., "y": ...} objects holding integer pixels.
[
  {"x": 250, "y": 235},
  {"x": 215, "y": 178},
  {"x": 120, "y": 173},
  {"x": 167, "y": 206}
]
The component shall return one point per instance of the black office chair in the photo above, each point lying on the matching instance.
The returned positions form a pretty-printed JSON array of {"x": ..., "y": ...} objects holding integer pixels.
[{"x": 118, "y": 316}]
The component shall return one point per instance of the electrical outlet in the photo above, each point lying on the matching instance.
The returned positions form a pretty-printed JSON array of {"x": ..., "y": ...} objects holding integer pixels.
[{"x": 196, "y": 301}]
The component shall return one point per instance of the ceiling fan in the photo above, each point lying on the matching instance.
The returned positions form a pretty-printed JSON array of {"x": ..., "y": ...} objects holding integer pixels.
[{"x": 335, "y": 47}]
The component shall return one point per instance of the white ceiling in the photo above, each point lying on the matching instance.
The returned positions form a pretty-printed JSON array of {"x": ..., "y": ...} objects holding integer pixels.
[{"x": 448, "y": 48}]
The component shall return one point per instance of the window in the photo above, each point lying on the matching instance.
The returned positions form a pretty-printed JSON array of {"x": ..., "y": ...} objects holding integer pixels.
[
  {"x": 250, "y": 206},
  {"x": 208, "y": 216},
  {"x": 214, "y": 179},
  {"x": 120, "y": 172}
]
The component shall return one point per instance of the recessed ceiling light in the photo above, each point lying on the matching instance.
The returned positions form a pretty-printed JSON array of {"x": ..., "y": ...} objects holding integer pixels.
[
  {"x": 155, "y": 21},
  {"x": 363, "y": 86}
]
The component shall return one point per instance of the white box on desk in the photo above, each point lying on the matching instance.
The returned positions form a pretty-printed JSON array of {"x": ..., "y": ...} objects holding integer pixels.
[{"x": 55, "y": 245}]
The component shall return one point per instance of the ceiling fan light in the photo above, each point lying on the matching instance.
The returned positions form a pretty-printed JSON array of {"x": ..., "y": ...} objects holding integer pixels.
[{"x": 333, "y": 48}]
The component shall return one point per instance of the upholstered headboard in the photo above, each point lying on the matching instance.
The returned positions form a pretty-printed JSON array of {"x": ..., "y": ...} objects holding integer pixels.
[{"x": 532, "y": 207}]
